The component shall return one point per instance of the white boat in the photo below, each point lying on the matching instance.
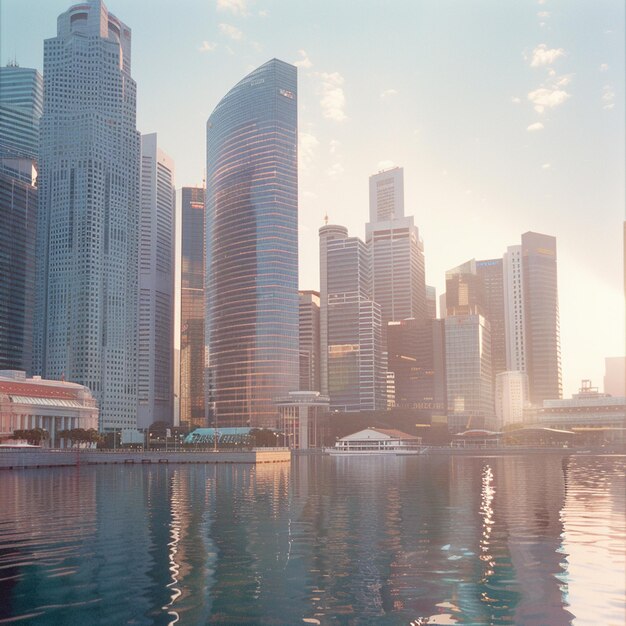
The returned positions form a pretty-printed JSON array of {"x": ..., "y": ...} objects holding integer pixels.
[{"x": 374, "y": 441}]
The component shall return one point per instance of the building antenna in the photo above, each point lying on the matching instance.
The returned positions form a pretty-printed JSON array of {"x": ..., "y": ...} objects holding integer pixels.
[{"x": 326, "y": 218}]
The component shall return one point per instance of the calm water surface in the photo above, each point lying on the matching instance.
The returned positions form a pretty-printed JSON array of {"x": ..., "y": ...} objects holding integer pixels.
[{"x": 495, "y": 540}]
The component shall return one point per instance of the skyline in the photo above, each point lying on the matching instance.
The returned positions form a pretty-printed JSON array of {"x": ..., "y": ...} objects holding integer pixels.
[{"x": 466, "y": 147}]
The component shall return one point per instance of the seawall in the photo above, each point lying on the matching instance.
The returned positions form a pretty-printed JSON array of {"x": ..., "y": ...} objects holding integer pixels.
[{"x": 22, "y": 459}]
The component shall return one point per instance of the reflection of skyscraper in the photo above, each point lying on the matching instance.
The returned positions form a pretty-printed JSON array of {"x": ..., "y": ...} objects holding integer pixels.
[
  {"x": 89, "y": 209},
  {"x": 155, "y": 375},
  {"x": 252, "y": 247},
  {"x": 396, "y": 251},
  {"x": 192, "y": 406}
]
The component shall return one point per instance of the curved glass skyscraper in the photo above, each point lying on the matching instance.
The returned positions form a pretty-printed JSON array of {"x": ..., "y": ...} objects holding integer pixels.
[{"x": 252, "y": 248}]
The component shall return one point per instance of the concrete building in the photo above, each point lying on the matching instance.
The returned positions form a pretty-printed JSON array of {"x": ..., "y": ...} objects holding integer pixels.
[
  {"x": 597, "y": 415},
  {"x": 252, "y": 248},
  {"x": 192, "y": 398},
  {"x": 464, "y": 291},
  {"x": 87, "y": 276},
  {"x": 304, "y": 419},
  {"x": 155, "y": 374},
  {"x": 532, "y": 315},
  {"x": 396, "y": 251},
  {"x": 431, "y": 302},
  {"x": 52, "y": 405},
  {"x": 309, "y": 316},
  {"x": 511, "y": 398}
]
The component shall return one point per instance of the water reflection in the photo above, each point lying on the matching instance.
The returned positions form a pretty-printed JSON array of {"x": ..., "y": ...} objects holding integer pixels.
[{"x": 510, "y": 540}]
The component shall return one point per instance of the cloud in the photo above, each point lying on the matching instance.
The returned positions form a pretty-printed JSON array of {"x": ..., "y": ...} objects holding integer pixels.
[
  {"x": 515, "y": 100},
  {"x": 546, "y": 166},
  {"x": 335, "y": 171},
  {"x": 564, "y": 80},
  {"x": 333, "y": 146},
  {"x": 333, "y": 100},
  {"x": 231, "y": 31},
  {"x": 207, "y": 46},
  {"x": 544, "y": 98},
  {"x": 304, "y": 61},
  {"x": 604, "y": 67},
  {"x": 263, "y": 13},
  {"x": 307, "y": 145},
  {"x": 236, "y": 7},
  {"x": 608, "y": 97},
  {"x": 535, "y": 126},
  {"x": 542, "y": 55},
  {"x": 388, "y": 93},
  {"x": 543, "y": 14}
]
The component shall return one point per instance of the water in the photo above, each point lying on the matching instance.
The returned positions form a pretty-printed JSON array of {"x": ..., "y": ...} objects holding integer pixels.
[{"x": 536, "y": 540}]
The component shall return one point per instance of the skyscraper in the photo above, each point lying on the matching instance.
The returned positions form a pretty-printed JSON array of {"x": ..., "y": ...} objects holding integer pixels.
[
  {"x": 21, "y": 106},
  {"x": 532, "y": 315},
  {"x": 464, "y": 290},
  {"x": 309, "y": 340},
  {"x": 155, "y": 373},
  {"x": 396, "y": 251},
  {"x": 252, "y": 247},
  {"x": 21, "y": 95},
  {"x": 355, "y": 359},
  {"x": 192, "y": 400},
  {"x": 490, "y": 272},
  {"x": 88, "y": 216}
]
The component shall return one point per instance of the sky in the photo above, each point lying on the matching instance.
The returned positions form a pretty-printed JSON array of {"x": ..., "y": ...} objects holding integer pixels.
[{"x": 507, "y": 116}]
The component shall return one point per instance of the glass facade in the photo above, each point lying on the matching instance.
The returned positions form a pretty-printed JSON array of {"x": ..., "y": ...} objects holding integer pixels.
[
  {"x": 491, "y": 273},
  {"x": 192, "y": 403},
  {"x": 252, "y": 248}
]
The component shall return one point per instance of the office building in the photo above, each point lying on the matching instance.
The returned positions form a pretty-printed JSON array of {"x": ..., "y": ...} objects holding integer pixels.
[
  {"x": 18, "y": 231},
  {"x": 532, "y": 315},
  {"x": 355, "y": 359},
  {"x": 464, "y": 291},
  {"x": 21, "y": 107},
  {"x": 468, "y": 372},
  {"x": 431, "y": 302},
  {"x": 511, "y": 397},
  {"x": 155, "y": 374},
  {"x": 252, "y": 248},
  {"x": 86, "y": 315},
  {"x": 490, "y": 272},
  {"x": 192, "y": 400},
  {"x": 396, "y": 251},
  {"x": 327, "y": 233},
  {"x": 416, "y": 356},
  {"x": 309, "y": 307}
]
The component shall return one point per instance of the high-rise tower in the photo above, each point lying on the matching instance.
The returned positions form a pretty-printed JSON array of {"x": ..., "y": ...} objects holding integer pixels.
[
  {"x": 532, "y": 315},
  {"x": 88, "y": 217},
  {"x": 192, "y": 400},
  {"x": 155, "y": 367},
  {"x": 252, "y": 247},
  {"x": 396, "y": 251},
  {"x": 21, "y": 96}
]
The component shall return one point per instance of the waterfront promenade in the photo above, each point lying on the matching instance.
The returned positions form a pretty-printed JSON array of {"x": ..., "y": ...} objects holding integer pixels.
[{"x": 22, "y": 459}]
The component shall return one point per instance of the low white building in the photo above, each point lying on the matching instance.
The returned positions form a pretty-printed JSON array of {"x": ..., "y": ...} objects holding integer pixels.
[
  {"x": 378, "y": 441},
  {"x": 52, "y": 405},
  {"x": 303, "y": 417}
]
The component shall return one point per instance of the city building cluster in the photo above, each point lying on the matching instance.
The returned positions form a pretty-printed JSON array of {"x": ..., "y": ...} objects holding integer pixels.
[{"x": 88, "y": 289}]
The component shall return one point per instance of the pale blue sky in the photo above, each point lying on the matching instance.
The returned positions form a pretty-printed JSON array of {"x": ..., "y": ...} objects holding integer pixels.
[{"x": 450, "y": 90}]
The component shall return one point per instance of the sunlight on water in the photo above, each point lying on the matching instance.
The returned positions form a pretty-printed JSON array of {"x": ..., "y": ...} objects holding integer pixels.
[{"x": 527, "y": 541}]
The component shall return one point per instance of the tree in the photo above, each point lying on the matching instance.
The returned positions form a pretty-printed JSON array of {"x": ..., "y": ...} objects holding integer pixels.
[{"x": 34, "y": 436}]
